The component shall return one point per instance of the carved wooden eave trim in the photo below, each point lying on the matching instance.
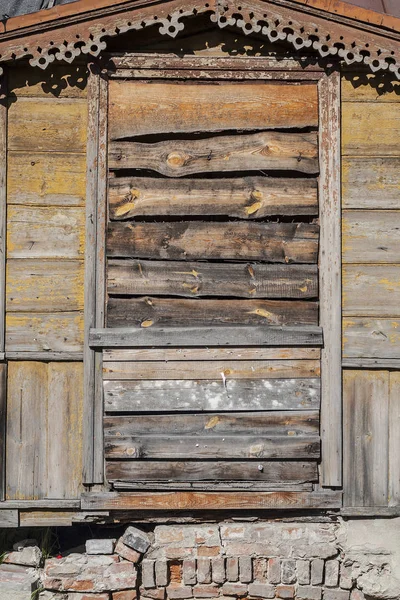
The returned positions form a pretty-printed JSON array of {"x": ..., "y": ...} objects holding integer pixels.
[{"x": 301, "y": 25}]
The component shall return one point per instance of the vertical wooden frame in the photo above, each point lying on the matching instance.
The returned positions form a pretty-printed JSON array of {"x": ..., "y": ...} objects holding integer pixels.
[
  {"x": 3, "y": 218},
  {"x": 330, "y": 278}
]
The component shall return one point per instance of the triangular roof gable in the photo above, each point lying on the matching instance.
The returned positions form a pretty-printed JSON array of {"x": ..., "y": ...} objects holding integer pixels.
[{"x": 67, "y": 31}]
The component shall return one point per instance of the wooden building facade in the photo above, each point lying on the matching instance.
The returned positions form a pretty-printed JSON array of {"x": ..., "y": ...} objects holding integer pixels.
[{"x": 200, "y": 245}]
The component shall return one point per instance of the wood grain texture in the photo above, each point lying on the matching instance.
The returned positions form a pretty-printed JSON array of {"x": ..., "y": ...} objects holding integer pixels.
[
  {"x": 245, "y": 198},
  {"x": 139, "y": 108},
  {"x": 46, "y": 179},
  {"x": 272, "y": 242},
  {"x": 61, "y": 81},
  {"x": 371, "y": 338},
  {"x": 165, "y": 312},
  {"x": 41, "y": 332},
  {"x": 47, "y": 125},
  {"x": 253, "y": 152},
  {"x": 366, "y": 87},
  {"x": 3, "y": 419},
  {"x": 167, "y": 354},
  {"x": 219, "y": 395},
  {"x": 3, "y": 218},
  {"x": 44, "y": 461},
  {"x": 371, "y": 183},
  {"x": 366, "y": 429},
  {"x": 210, "y": 501},
  {"x": 236, "y": 369},
  {"x": 371, "y": 290},
  {"x": 370, "y": 129},
  {"x": 394, "y": 436},
  {"x": 36, "y": 285},
  {"x": 9, "y": 518},
  {"x": 51, "y": 232},
  {"x": 194, "y": 279},
  {"x": 287, "y": 472},
  {"x": 371, "y": 236}
]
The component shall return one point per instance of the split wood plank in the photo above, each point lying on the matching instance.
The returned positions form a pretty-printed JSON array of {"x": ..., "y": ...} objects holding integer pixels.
[
  {"x": 371, "y": 183},
  {"x": 167, "y": 354},
  {"x": 212, "y": 486},
  {"x": 203, "y": 447},
  {"x": 245, "y": 198},
  {"x": 63, "y": 81},
  {"x": 228, "y": 335},
  {"x": 371, "y": 338},
  {"x": 366, "y": 434},
  {"x": 191, "y": 240},
  {"x": 195, "y": 279},
  {"x": 371, "y": 290},
  {"x": 371, "y": 236},
  {"x": 50, "y": 232},
  {"x": 46, "y": 179},
  {"x": 394, "y": 437},
  {"x": 44, "y": 332},
  {"x": 210, "y": 501},
  {"x": 287, "y": 472},
  {"x": 285, "y": 423},
  {"x": 36, "y": 285},
  {"x": 221, "y": 395},
  {"x": 171, "y": 312},
  {"x": 252, "y": 152},
  {"x": 370, "y": 129},
  {"x": 140, "y": 108},
  {"x": 3, "y": 421},
  {"x": 47, "y": 125},
  {"x": 9, "y": 518},
  {"x": 274, "y": 369}
]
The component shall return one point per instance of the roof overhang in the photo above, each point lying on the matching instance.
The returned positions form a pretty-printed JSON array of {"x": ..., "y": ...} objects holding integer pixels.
[{"x": 330, "y": 28}]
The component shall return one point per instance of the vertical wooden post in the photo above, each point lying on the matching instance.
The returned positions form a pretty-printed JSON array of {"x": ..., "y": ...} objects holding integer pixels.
[
  {"x": 3, "y": 217},
  {"x": 330, "y": 279}
]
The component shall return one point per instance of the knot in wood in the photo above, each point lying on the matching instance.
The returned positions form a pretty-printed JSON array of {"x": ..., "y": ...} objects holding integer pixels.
[{"x": 176, "y": 160}]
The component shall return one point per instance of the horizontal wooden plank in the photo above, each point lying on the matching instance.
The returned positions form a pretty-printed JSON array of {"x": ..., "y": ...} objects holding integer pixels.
[
  {"x": 165, "y": 312},
  {"x": 235, "y": 369},
  {"x": 371, "y": 338},
  {"x": 50, "y": 232},
  {"x": 371, "y": 290},
  {"x": 213, "y": 75},
  {"x": 167, "y": 354},
  {"x": 222, "y": 395},
  {"x": 368, "y": 88},
  {"x": 305, "y": 335},
  {"x": 36, "y": 285},
  {"x": 202, "y": 447},
  {"x": 371, "y": 183},
  {"x": 252, "y": 152},
  {"x": 370, "y": 129},
  {"x": 47, "y": 125},
  {"x": 245, "y": 198},
  {"x": 46, "y": 355},
  {"x": 187, "y": 240},
  {"x": 372, "y": 363},
  {"x": 214, "y": 471},
  {"x": 40, "y": 332},
  {"x": 210, "y": 500},
  {"x": 371, "y": 236},
  {"x": 140, "y": 108},
  {"x": 195, "y": 279},
  {"x": 46, "y": 178},
  {"x": 63, "y": 81},
  {"x": 41, "y": 503},
  {"x": 212, "y": 486},
  {"x": 284, "y": 423}
]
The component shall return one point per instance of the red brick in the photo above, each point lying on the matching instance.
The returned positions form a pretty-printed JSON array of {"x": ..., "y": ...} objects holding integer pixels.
[
  {"x": 285, "y": 591},
  {"x": 155, "y": 593},
  {"x": 128, "y": 553},
  {"x": 176, "y": 592},
  {"x": 205, "y": 591},
  {"x": 125, "y": 595},
  {"x": 234, "y": 589}
]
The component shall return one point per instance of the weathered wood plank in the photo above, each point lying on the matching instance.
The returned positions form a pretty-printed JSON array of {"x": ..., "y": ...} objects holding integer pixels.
[
  {"x": 371, "y": 290},
  {"x": 289, "y": 472},
  {"x": 368, "y": 87},
  {"x": 371, "y": 363},
  {"x": 165, "y": 312},
  {"x": 9, "y": 518},
  {"x": 236, "y": 369},
  {"x": 371, "y": 338},
  {"x": 195, "y": 279},
  {"x": 47, "y": 125},
  {"x": 41, "y": 332},
  {"x": 371, "y": 236},
  {"x": 370, "y": 129},
  {"x": 203, "y": 447},
  {"x": 46, "y": 179},
  {"x": 188, "y": 240},
  {"x": 366, "y": 429},
  {"x": 46, "y": 355},
  {"x": 371, "y": 183},
  {"x": 222, "y": 395},
  {"x": 63, "y": 81},
  {"x": 253, "y": 152},
  {"x": 210, "y": 501},
  {"x": 3, "y": 420},
  {"x": 289, "y": 423},
  {"x": 246, "y": 198},
  {"x": 51, "y": 232},
  {"x": 212, "y": 486},
  {"x": 140, "y": 108},
  {"x": 229, "y": 335},
  {"x": 44, "y": 285},
  {"x": 394, "y": 437},
  {"x": 3, "y": 217},
  {"x": 167, "y": 354}
]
